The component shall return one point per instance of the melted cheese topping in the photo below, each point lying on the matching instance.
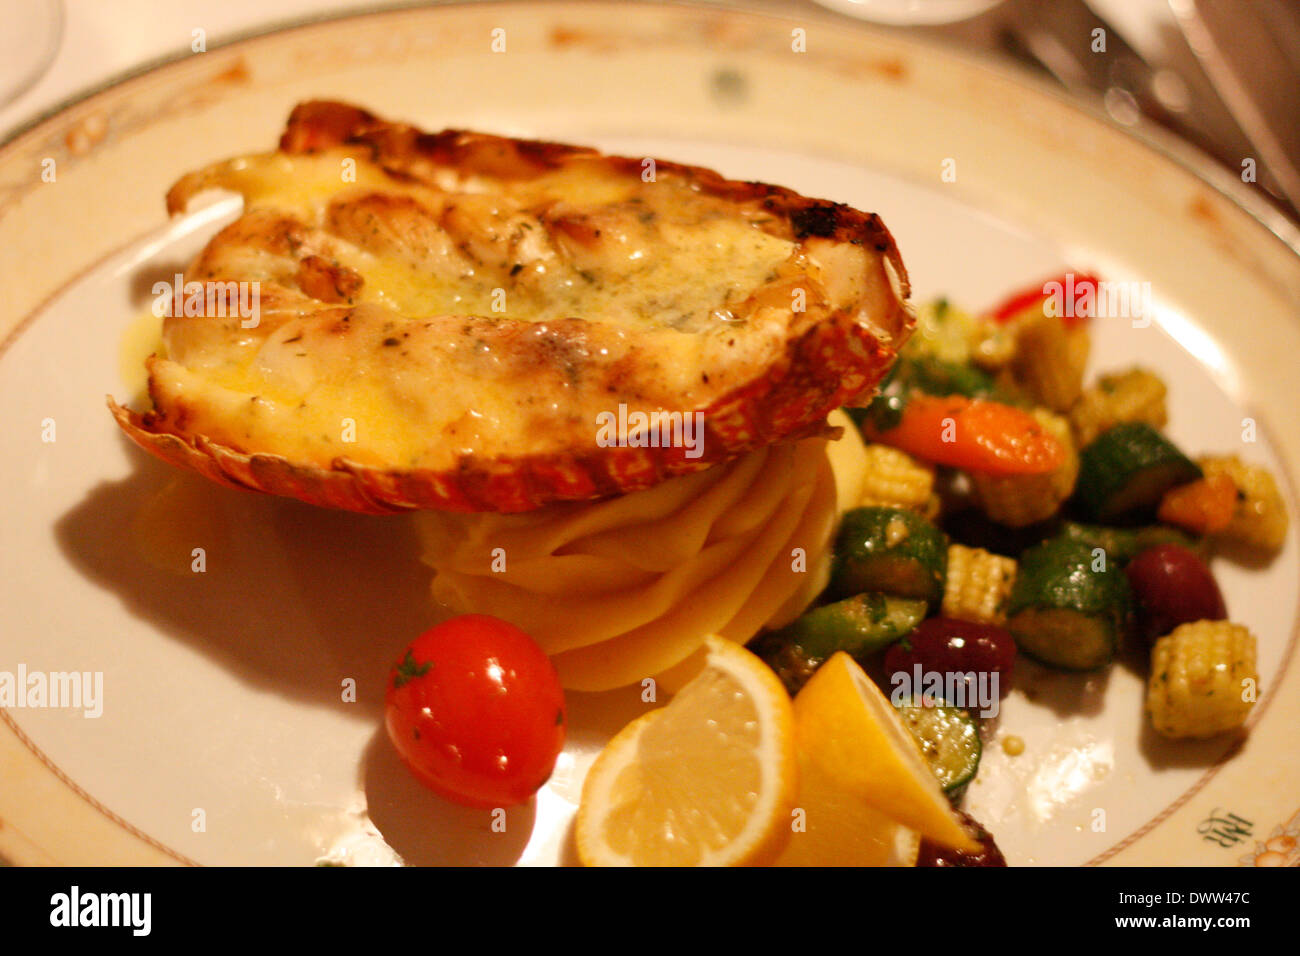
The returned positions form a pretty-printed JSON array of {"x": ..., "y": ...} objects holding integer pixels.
[
  {"x": 621, "y": 590},
  {"x": 638, "y": 254},
  {"x": 362, "y": 348}
]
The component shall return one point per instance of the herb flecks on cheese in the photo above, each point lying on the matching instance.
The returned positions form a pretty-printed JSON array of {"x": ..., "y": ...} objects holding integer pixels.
[{"x": 457, "y": 312}]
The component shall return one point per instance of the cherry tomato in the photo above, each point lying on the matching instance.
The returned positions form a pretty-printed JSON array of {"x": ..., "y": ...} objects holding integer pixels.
[
  {"x": 944, "y": 645},
  {"x": 1173, "y": 586},
  {"x": 475, "y": 709}
]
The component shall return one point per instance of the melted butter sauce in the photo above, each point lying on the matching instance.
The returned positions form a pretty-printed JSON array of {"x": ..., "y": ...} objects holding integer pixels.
[
  {"x": 142, "y": 338},
  {"x": 184, "y": 514}
]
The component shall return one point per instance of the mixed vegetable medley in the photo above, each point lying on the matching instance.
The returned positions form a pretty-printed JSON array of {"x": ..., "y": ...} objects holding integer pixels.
[
  {"x": 1011, "y": 509},
  {"x": 1008, "y": 509}
]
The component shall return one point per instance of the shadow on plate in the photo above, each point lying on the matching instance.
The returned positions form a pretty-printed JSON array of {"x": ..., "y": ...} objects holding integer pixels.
[
  {"x": 1161, "y": 753},
  {"x": 148, "y": 275},
  {"x": 296, "y": 599},
  {"x": 1065, "y": 693},
  {"x": 289, "y": 597},
  {"x": 426, "y": 830}
]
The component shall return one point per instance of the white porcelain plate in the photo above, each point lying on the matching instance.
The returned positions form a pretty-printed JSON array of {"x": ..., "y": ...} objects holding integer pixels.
[{"x": 224, "y": 734}]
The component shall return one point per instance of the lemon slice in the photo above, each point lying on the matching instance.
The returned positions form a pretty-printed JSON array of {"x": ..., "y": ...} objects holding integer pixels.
[
  {"x": 854, "y": 747},
  {"x": 832, "y": 827},
  {"x": 708, "y": 780}
]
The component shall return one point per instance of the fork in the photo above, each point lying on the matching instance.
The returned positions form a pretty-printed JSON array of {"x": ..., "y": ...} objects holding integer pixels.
[{"x": 1060, "y": 38}]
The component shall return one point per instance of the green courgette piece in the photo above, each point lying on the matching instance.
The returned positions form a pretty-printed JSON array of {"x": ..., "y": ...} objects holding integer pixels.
[
  {"x": 1124, "y": 544},
  {"x": 937, "y": 377},
  {"x": 787, "y": 659},
  {"x": 949, "y": 739},
  {"x": 860, "y": 625},
  {"x": 1069, "y": 606},
  {"x": 891, "y": 550},
  {"x": 1128, "y": 469},
  {"x": 881, "y": 414}
]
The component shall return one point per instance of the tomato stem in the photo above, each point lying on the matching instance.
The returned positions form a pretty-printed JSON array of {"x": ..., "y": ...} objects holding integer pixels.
[{"x": 409, "y": 670}]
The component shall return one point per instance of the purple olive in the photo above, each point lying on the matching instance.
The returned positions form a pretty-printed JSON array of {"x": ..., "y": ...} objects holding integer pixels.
[
  {"x": 988, "y": 855},
  {"x": 946, "y": 645},
  {"x": 1172, "y": 586}
]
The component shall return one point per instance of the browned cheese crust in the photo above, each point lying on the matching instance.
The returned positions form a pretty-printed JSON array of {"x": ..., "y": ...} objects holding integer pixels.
[{"x": 445, "y": 319}]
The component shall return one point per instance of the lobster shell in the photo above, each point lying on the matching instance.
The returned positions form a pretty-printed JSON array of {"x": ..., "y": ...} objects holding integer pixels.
[{"x": 832, "y": 357}]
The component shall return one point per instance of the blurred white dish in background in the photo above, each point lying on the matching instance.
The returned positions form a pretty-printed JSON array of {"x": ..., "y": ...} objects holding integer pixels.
[{"x": 910, "y": 12}]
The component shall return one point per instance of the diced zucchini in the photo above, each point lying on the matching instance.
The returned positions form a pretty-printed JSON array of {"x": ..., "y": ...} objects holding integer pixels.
[
  {"x": 891, "y": 550},
  {"x": 860, "y": 625},
  {"x": 949, "y": 739},
  {"x": 1068, "y": 609},
  {"x": 881, "y": 414},
  {"x": 1128, "y": 469},
  {"x": 1065, "y": 638},
  {"x": 936, "y": 377},
  {"x": 1124, "y": 544},
  {"x": 787, "y": 659}
]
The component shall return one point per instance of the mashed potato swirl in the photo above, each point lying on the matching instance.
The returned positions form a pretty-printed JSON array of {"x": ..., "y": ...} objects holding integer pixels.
[{"x": 627, "y": 588}]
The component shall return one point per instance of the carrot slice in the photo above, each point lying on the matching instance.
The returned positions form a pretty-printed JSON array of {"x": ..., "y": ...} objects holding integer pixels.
[
  {"x": 1204, "y": 507},
  {"x": 975, "y": 434}
]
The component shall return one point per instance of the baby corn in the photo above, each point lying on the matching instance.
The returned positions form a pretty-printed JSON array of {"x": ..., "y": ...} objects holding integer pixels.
[
  {"x": 1203, "y": 679},
  {"x": 978, "y": 585}
]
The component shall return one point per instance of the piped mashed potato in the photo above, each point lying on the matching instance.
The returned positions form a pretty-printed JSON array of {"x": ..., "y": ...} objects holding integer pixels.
[{"x": 628, "y": 588}]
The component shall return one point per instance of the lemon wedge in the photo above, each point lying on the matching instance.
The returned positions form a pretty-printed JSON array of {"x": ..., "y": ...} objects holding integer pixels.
[
  {"x": 855, "y": 750},
  {"x": 708, "y": 780},
  {"x": 832, "y": 827}
]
